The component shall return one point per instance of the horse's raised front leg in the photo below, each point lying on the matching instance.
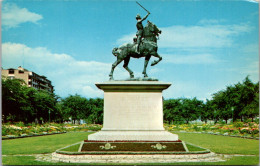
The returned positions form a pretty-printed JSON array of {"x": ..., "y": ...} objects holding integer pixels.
[
  {"x": 119, "y": 60},
  {"x": 126, "y": 62},
  {"x": 147, "y": 58},
  {"x": 156, "y": 61}
]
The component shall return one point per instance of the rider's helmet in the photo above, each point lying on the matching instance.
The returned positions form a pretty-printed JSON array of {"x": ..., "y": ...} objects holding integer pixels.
[{"x": 138, "y": 16}]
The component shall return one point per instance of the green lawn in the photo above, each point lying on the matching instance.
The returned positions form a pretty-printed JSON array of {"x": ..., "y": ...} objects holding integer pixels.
[
  {"x": 48, "y": 144},
  {"x": 41, "y": 144},
  {"x": 222, "y": 144}
]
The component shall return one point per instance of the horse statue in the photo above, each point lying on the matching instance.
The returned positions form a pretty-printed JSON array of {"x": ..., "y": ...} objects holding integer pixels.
[{"x": 148, "y": 48}]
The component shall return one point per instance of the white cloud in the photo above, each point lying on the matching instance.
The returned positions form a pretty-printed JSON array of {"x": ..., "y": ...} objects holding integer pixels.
[
  {"x": 156, "y": 70},
  {"x": 68, "y": 75},
  {"x": 251, "y": 61},
  {"x": 207, "y": 34},
  {"x": 251, "y": 69},
  {"x": 200, "y": 36},
  {"x": 254, "y": 1},
  {"x": 187, "y": 89},
  {"x": 251, "y": 49},
  {"x": 190, "y": 59},
  {"x": 125, "y": 39},
  {"x": 211, "y": 21},
  {"x": 12, "y": 15}
]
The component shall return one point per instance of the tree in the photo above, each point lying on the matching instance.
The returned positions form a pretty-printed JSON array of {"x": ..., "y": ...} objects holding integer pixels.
[
  {"x": 45, "y": 103},
  {"x": 249, "y": 99},
  {"x": 22, "y": 103},
  {"x": 95, "y": 107},
  {"x": 75, "y": 107},
  {"x": 30, "y": 93},
  {"x": 207, "y": 111},
  {"x": 58, "y": 115},
  {"x": 171, "y": 111},
  {"x": 14, "y": 100},
  {"x": 237, "y": 101},
  {"x": 221, "y": 104},
  {"x": 191, "y": 109},
  {"x": 182, "y": 109}
]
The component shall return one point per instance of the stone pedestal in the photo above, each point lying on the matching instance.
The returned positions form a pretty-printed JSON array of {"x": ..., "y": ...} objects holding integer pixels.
[{"x": 133, "y": 111}]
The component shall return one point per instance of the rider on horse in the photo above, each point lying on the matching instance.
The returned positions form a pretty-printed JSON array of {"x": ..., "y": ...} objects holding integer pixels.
[{"x": 140, "y": 28}]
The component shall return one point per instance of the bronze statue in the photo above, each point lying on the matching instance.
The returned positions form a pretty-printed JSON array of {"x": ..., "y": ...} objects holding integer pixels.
[
  {"x": 148, "y": 48},
  {"x": 145, "y": 45}
]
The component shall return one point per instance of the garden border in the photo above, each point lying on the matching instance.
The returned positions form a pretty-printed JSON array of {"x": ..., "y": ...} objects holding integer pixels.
[
  {"x": 36, "y": 135},
  {"x": 256, "y": 138},
  {"x": 26, "y": 136},
  {"x": 59, "y": 151}
]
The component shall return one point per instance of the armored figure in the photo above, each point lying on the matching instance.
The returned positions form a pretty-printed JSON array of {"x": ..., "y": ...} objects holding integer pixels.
[{"x": 140, "y": 28}]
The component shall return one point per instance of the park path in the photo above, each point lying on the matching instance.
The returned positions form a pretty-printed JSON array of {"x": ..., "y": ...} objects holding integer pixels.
[{"x": 47, "y": 157}]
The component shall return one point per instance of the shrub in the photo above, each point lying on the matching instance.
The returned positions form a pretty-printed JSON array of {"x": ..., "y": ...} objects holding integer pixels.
[
  {"x": 222, "y": 122},
  {"x": 235, "y": 132},
  {"x": 244, "y": 130},
  {"x": 94, "y": 127},
  {"x": 205, "y": 127},
  {"x": 238, "y": 124},
  {"x": 20, "y": 124},
  {"x": 254, "y": 131},
  {"x": 4, "y": 130},
  {"x": 196, "y": 128},
  {"x": 252, "y": 124},
  {"x": 256, "y": 120}
]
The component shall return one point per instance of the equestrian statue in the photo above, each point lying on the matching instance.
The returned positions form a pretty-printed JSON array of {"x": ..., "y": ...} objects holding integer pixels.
[{"x": 144, "y": 45}]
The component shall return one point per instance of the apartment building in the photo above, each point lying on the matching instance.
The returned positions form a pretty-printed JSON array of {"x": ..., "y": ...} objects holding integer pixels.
[{"x": 31, "y": 79}]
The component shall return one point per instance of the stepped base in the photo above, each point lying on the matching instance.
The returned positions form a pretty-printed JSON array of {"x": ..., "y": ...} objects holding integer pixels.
[
  {"x": 132, "y": 159},
  {"x": 133, "y": 136},
  {"x": 134, "y": 152}
]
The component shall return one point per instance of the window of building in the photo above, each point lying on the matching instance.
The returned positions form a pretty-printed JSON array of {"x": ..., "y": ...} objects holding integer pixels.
[
  {"x": 11, "y": 71},
  {"x": 20, "y": 71}
]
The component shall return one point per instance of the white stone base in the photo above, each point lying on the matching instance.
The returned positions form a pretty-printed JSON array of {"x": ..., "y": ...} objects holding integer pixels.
[
  {"x": 165, "y": 158},
  {"x": 133, "y": 111},
  {"x": 133, "y": 136}
]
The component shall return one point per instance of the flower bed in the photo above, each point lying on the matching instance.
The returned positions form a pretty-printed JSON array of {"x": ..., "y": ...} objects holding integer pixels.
[
  {"x": 20, "y": 130},
  {"x": 133, "y": 148},
  {"x": 250, "y": 129}
]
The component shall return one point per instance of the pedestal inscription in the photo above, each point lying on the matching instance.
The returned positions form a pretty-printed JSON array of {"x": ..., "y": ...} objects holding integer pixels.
[{"x": 133, "y": 111}]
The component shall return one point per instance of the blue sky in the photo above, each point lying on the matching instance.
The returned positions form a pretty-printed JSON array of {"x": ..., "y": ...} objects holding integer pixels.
[{"x": 205, "y": 44}]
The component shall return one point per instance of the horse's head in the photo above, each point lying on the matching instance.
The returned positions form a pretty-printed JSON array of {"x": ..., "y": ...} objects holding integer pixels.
[{"x": 153, "y": 28}]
